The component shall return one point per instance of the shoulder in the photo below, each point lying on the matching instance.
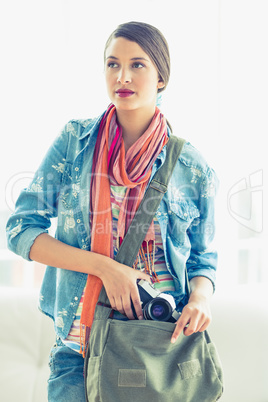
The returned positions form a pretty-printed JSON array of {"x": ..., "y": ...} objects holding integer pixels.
[
  {"x": 79, "y": 124},
  {"x": 81, "y": 128},
  {"x": 199, "y": 172},
  {"x": 192, "y": 158},
  {"x": 192, "y": 169}
]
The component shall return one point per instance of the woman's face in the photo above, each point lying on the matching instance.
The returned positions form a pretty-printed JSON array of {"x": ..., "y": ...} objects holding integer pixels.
[{"x": 131, "y": 77}]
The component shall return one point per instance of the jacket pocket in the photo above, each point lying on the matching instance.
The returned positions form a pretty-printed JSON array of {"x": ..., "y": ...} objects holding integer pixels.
[{"x": 181, "y": 215}]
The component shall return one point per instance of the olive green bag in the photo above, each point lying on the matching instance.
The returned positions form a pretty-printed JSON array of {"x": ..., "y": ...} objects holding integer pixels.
[{"x": 134, "y": 361}]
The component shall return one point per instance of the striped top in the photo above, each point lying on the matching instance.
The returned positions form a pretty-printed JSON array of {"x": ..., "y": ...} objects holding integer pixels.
[{"x": 164, "y": 283}]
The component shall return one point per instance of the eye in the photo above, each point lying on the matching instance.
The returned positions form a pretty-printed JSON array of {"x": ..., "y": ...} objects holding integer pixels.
[
  {"x": 112, "y": 65},
  {"x": 137, "y": 65}
]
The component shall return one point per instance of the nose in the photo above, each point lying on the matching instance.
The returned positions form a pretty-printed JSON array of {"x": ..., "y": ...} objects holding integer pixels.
[{"x": 124, "y": 76}]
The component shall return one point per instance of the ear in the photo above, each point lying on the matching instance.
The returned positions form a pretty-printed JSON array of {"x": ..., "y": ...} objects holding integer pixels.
[{"x": 160, "y": 84}]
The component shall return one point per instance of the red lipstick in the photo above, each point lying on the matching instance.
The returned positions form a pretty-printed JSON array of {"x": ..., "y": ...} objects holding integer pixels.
[{"x": 124, "y": 93}]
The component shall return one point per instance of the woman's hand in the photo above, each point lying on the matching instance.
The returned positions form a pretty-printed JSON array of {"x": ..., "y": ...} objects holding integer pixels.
[
  {"x": 120, "y": 282},
  {"x": 196, "y": 315}
]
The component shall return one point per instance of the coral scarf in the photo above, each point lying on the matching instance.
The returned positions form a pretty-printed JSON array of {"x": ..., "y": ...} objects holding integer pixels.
[{"x": 112, "y": 167}]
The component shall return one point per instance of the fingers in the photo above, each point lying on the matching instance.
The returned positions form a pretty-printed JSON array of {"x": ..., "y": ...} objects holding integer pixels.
[
  {"x": 137, "y": 306},
  {"x": 142, "y": 275},
  {"x": 180, "y": 326},
  {"x": 120, "y": 284},
  {"x": 125, "y": 304},
  {"x": 191, "y": 320},
  {"x": 118, "y": 305},
  {"x": 131, "y": 301}
]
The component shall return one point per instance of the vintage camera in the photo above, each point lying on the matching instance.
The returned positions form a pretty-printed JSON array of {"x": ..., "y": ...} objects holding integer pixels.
[{"x": 155, "y": 305}]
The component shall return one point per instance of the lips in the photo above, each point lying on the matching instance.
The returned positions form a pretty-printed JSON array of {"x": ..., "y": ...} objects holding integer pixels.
[{"x": 123, "y": 93}]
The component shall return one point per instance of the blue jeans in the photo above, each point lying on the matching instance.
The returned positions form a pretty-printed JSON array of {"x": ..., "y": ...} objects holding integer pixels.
[{"x": 66, "y": 381}]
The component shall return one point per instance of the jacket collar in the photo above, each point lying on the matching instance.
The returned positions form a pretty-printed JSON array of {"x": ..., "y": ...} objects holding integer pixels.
[{"x": 91, "y": 126}]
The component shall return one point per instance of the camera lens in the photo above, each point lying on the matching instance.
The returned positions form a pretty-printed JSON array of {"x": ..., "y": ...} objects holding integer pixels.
[{"x": 157, "y": 309}]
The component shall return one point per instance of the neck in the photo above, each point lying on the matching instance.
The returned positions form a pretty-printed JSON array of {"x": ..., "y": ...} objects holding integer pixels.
[{"x": 133, "y": 124}]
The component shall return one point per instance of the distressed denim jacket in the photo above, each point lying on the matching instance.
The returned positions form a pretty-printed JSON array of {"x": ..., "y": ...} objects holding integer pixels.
[{"x": 61, "y": 189}]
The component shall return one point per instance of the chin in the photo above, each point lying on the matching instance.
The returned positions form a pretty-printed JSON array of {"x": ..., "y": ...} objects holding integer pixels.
[{"x": 125, "y": 107}]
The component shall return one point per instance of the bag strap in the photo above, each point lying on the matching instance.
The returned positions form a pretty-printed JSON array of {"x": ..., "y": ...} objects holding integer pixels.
[{"x": 143, "y": 217}]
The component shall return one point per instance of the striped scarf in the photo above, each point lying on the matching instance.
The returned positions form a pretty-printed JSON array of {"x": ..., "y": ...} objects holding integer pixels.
[{"x": 111, "y": 166}]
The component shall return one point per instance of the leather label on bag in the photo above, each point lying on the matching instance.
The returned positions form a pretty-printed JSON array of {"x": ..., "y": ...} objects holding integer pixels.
[
  {"x": 132, "y": 378},
  {"x": 190, "y": 369}
]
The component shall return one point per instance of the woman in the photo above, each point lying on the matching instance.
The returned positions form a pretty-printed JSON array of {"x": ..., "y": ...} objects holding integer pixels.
[{"x": 92, "y": 180}]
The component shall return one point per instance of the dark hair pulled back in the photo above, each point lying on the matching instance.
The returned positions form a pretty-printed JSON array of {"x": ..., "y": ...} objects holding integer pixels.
[{"x": 151, "y": 40}]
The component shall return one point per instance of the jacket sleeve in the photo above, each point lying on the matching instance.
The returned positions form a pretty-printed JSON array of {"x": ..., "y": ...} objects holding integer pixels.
[
  {"x": 37, "y": 204},
  {"x": 203, "y": 258}
]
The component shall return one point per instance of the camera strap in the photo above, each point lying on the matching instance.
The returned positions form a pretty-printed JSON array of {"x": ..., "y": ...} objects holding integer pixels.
[{"x": 155, "y": 191}]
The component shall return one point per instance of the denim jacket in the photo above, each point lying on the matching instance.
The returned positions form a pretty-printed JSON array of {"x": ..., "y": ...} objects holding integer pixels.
[{"x": 61, "y": 189}]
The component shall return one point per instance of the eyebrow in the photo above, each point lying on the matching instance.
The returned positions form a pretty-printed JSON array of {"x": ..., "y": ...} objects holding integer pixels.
[{"x": 133, "y": 58}]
